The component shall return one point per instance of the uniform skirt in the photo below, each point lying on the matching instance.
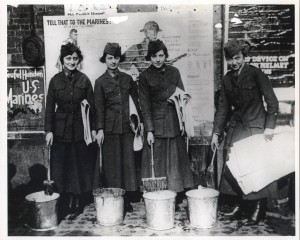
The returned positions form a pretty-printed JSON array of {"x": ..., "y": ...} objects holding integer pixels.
[
  {"x": 176, "y": 167},
  {"x": 73, "y": 166},
  {"x": 228, "y": 184},
  {"x": 118, "y": 161}
]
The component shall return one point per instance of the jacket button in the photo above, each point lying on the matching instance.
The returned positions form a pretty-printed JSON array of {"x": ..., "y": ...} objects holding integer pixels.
[
  {"x": 119, "y": 94},
  {"x": 71, "y": 93}
]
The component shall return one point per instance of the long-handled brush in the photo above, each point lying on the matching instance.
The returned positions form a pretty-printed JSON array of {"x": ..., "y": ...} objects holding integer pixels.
[
  {"x": 209, "y": 171},
  {"x": 153, "y": 183},
  {"x": 48, "y": 184},
  {"x": 102, "y": 180}
]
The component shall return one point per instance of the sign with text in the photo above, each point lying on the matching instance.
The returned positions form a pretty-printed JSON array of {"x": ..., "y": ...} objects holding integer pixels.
[
  {"x": 25, "y": 99},
  {"x": 270, "y": 31}
]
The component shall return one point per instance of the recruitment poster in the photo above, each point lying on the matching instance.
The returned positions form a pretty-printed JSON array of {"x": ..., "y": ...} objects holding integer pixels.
[
  {"x": 25, "y": 99},
  {"x": 186, "y": 33}
]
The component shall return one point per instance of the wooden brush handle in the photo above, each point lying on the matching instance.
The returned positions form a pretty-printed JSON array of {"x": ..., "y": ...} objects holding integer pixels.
[
  {"x": 211, "y": 165},
  {"x": 152, "y": 161},
  {"x": 100, "y": 157},
  {"x": 49, "y": 159}
]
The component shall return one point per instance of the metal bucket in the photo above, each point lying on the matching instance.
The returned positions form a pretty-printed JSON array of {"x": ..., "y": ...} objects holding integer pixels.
[
  {"x": 109, "y": 203},
  {"x": 160, "y": 209},
  {"x": 43, "y": 211},
  {"x": 203, "y": 207}
]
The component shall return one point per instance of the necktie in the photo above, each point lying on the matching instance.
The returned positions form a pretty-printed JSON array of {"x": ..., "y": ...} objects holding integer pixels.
[{"x": 236, "y": 75}]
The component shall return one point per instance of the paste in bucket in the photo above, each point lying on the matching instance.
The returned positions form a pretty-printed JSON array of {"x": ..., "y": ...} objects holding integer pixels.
[
  {"x": 41, "y": 197},
  {"x": 202, "y": 193},
  {"x": 159, "y": 195}
]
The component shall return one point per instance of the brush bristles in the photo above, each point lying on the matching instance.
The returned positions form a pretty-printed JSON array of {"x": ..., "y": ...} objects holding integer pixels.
[
  {"x": 154, "y": 184},
  {"x": 48, "y": 187}
]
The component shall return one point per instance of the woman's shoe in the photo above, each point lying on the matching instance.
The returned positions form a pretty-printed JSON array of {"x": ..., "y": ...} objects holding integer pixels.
[
  {"x": 78, "y": 210},
  {"x": 236, "y": 210},
  {"x": 259, "y": 213},
  {"x": 128, "y": 207},
  {"x": 236, "y": 213}
]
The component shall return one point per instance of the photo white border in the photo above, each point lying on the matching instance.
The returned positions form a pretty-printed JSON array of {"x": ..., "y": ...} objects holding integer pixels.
[{"x": 3, "y": 100}]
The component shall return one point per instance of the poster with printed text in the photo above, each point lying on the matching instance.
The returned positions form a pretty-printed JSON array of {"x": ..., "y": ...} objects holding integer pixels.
[{"x": 25, "y": 99}]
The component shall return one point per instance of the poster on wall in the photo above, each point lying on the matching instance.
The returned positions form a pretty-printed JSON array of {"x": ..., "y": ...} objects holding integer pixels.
[
  {"x": 25, "y": 99},
  {"x": 269, "y": 31},
  {"x": 187, "y": 34}
]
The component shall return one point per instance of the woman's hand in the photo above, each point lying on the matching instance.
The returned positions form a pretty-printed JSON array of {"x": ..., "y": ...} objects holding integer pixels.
[
  {"x": 214, "y": 142},
  {"x": 268, "y": 134},
  {"x": 94, "y": 135},
  {"x": 150, "y": 138},
  {"x": 49, "y": 138},
  {"x": 182, "y": 131},
  {"x": 100, "y": 137}
]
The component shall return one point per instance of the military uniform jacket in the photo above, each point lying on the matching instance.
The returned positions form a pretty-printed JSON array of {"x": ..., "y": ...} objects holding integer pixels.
[
  {"x": 112, "y": 102},
  {"x": 66, "y": 94},
  {"x": 242, "y": 98},
  {"x": 155, "y": 88}
]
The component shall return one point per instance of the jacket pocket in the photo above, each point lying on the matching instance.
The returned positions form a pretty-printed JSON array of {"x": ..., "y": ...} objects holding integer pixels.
[
  {"x": 158, "y": 121},
  {"x": 228, "y": 86},
  {"x": 249, "y": 91},
  {"x": 108, "y": 92},
  {"x": 60, "y": 91},
  {"x": 60, "y": 124},
  {"x": 109, "y": 121},
  {"x": 80, "y": 91},
  {"x": 257, "y": 123}
]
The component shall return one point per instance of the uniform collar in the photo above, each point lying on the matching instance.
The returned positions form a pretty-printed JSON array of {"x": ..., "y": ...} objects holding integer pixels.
[
  {"x": 111, "y": 78},
  {"x": 242, "y": 73},
  {"x": 70, "y": 76},
  {"x": 239, "y": 71},
  {"x": 164, "y": 68}
]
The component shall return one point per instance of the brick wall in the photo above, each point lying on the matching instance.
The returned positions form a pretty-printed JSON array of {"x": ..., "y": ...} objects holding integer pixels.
[{"x": 19, "y": 28}]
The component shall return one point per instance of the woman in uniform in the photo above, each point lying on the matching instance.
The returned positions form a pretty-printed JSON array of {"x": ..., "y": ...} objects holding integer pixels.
[
  {"x": 161, "y": 124},
  {"x": 242, "y": 90},
  {"x": 72, "y": 161},
  {"x": 112, "y": 90}
]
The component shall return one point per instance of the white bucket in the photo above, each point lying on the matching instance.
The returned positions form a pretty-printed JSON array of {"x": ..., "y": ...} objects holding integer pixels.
[
  {"x": 160, "y": 209},
  {"x": 109, "y": 204},
  {"x": 43, "y": 211},
  {"x": 202, "y": 205}
]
